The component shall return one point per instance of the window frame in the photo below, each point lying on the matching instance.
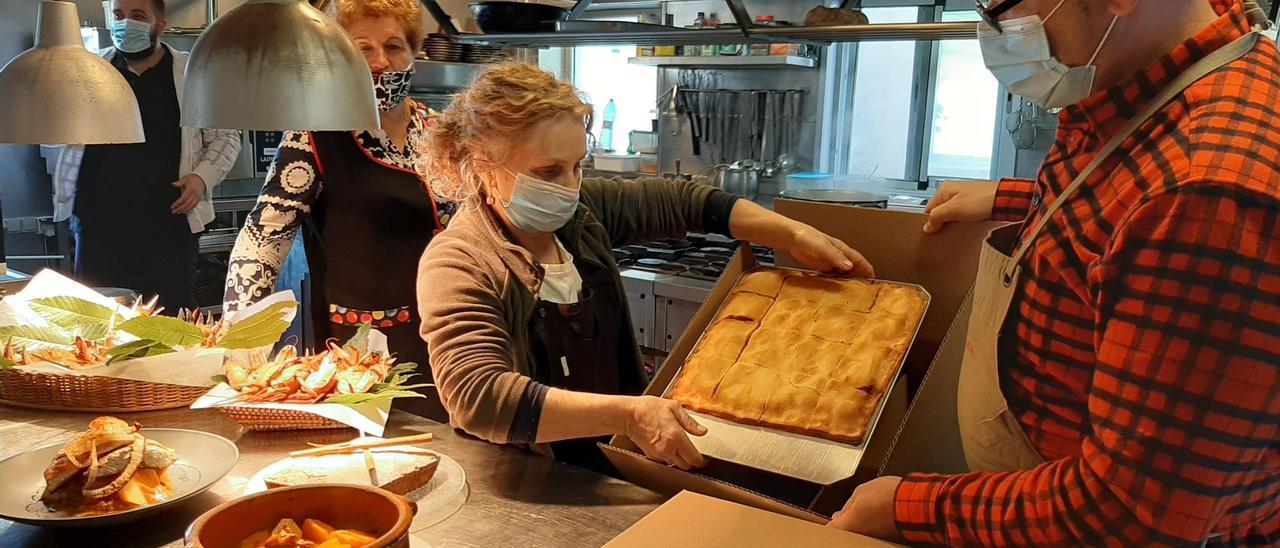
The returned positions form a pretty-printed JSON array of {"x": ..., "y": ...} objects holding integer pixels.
[{"x": 924, "y": 92}]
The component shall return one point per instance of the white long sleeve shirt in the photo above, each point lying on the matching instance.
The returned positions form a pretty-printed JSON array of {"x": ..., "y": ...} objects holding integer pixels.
[{"x": 209, "y": 153}]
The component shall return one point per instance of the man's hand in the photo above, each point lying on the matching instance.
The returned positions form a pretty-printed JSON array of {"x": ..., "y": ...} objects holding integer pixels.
[
  {"x": 961, "y": 201},
  {"x": 870, "y": 510},
  {"x": 192, "y": 192},
  {"x": 818, "y": 251}
]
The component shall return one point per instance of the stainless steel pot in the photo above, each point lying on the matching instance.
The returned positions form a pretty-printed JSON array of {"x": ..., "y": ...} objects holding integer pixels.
[{"x": 737, "y": 179}]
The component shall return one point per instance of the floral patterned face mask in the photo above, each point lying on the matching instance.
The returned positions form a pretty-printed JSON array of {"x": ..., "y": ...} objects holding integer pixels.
[{"x": 392, "y": 87}]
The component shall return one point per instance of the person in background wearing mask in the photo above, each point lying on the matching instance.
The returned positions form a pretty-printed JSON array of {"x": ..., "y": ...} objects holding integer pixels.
[
  {"x": 368, "y": 212},
  {"x": 523, "y": 308},
  {"x": 137, "y": 207},
  {"x": 1121, "y": 380}
]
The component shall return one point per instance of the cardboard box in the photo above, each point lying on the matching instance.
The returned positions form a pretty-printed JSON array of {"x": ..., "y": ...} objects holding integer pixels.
[
  {"x": 690, "y": 519},
  {"x": 944, "y": 264}
]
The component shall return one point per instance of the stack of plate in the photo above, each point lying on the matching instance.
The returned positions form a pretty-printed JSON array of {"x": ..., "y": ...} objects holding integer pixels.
[
  {"x": 477, "y": 53},
  {"x": 440, "y": 47}
]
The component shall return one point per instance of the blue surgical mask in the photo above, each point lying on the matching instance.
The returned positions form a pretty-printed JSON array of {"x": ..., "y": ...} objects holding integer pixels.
[
  {"x": 130, "y": 36},
  {"x": 1020, "y": 59},
  {"x": 539, "y": 206}
]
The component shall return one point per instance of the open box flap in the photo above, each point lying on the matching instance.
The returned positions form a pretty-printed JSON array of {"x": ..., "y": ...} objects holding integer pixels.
[{"x": 690, "y": 519}]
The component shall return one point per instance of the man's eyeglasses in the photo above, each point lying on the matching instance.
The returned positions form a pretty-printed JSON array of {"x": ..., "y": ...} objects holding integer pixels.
[{"x": 991, "y": 14}]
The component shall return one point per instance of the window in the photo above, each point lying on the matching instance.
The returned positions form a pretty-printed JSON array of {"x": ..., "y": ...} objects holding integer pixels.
[
  {"x": 963, "y": 133},
  {"x": 602, "y": 73},
  {"x": 921, "y": 111},
  {"x": 882, "y": 101}
]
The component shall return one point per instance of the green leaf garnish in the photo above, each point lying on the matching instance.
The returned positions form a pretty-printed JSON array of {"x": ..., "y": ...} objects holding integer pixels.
[
  {"x": 31, "y": 337},
  {"x": 164, "y": 330},
  {"x": 74, "y": 312},
  {"x": 367, "y": 397},
  {"x": 140, "y": 348},
  {"x": 260, "y": 329},
  {"x": 6, "y": 363},
  {"x": 360, "y": 341},
  {"x": 219, "y": 379}
]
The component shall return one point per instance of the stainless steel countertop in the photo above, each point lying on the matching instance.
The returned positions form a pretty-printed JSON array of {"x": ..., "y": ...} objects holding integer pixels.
[{"x": 517, "y": 499}]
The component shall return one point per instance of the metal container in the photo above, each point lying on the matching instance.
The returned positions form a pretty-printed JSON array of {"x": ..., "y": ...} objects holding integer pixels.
[
  {"x": 499, "y": 17},
  {"x": 838, "y": 196},
  {"x": 736, "y": 179}
]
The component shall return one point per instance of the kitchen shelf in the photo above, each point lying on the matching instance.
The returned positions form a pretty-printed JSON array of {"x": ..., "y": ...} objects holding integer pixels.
[
  {"x": 731, "y": 61},
  {"x": 673, "y": 37},
  {"x": 754, "y": 35}
]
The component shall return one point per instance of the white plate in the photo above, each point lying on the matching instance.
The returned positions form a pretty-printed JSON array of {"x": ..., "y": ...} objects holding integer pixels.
[
  {"x": 437, "y": 500},
  {"x": 203, "y": 459}
]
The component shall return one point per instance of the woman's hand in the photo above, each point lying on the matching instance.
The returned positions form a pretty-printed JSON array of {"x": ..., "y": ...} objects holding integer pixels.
[
  {"x": 661, "y": 428},
  {"x": 960, "y": 201},
  {"x": 814, "y": 250},
  {"x": 818, "y": 251}
]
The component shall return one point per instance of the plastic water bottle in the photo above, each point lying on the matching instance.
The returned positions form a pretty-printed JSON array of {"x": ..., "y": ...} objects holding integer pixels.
[{"x": 606, "y": 129}]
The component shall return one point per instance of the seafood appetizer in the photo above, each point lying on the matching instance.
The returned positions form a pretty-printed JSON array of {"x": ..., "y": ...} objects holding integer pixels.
[
  {"x": 109, "y": 468},
  {"x": 343, "y": 373},
  {"x": 81, "y": 334}
]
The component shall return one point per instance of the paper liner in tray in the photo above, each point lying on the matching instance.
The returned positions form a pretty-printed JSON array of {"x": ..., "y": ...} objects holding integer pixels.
[{"x": 800, "y": 456}]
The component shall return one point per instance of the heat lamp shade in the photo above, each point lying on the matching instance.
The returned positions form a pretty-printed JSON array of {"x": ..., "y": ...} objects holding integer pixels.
[
  {"x": 59, "y": 93},
  {"x": 278, "y": 65}
]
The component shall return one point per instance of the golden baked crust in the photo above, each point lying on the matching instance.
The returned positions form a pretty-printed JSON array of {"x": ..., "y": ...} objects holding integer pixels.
[
  {"x": 762, "y": 281},
  {"x": 838, "y": 324},
  {"x": 726, "y": 338},
  {"x": 698, "y": 385},
  {"x": 802, "y": 353},
  {"x": 742, "y": 305},
  {"x": 789, "y": 315}
]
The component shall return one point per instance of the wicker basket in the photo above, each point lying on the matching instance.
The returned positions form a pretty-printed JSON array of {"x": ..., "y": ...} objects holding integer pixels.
[
  {"x": 89, "y": 393},
  {"x": 260, "y": 418}
]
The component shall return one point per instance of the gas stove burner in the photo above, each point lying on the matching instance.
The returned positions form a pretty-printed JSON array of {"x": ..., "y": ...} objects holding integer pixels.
[
  {"x": 692, "y": 261},
  {"x": 717, "y": 251},
  {"x": 673, "y": 268},
  {"x": 658, "y": 245},
  {"x": 677, "y": 244},
  {"x": 621, "y": 255},
  {"x": 709, "y": 272},
  {"x": 651, "y": 263},
  {"x": 666, "y": 254}
]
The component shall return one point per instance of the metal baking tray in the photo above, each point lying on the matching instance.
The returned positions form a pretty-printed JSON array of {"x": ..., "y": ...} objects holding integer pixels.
[
  {"x": 837, "y": 196},
  {"x": 813, "y": 440}
]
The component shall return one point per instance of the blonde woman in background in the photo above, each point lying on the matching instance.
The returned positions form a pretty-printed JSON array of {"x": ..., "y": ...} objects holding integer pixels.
[
  {"x": 523, "y": 308},
  {"x": 367, "y": 212}
]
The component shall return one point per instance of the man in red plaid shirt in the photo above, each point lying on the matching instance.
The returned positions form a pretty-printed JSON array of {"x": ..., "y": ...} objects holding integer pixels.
[{"x": 1141, "y": 351}]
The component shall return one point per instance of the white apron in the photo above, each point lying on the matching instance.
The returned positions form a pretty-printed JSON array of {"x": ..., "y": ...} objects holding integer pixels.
[{"x": 992, "y": 438}]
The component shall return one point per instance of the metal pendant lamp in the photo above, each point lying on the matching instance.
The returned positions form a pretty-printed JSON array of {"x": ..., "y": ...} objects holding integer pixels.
[
  {"x": 278, "y": 65},
  {"x": 58, "y": 92}
]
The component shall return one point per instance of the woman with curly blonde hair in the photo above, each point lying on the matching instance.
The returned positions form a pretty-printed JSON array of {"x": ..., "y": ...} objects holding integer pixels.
[
  {"x": 523, "y": 308},
  {"x": 365, "y": 212}
]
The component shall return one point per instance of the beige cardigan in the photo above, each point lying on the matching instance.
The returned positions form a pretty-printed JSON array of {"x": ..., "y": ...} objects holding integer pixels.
[{"x": 476, "y": 289}]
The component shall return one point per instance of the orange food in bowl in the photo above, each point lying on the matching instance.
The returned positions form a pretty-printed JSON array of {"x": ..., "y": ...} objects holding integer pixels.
[{"x": 329, "y": 515}]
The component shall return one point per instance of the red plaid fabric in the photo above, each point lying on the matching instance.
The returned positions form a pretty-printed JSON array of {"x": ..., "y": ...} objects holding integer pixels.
[{"x": 1142, "y": 357}]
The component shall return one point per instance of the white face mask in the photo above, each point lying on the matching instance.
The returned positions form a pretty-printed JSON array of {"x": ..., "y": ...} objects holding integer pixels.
[
  {"x": 1021, "y": 61},
  {"x": 539, "y": 206}
]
